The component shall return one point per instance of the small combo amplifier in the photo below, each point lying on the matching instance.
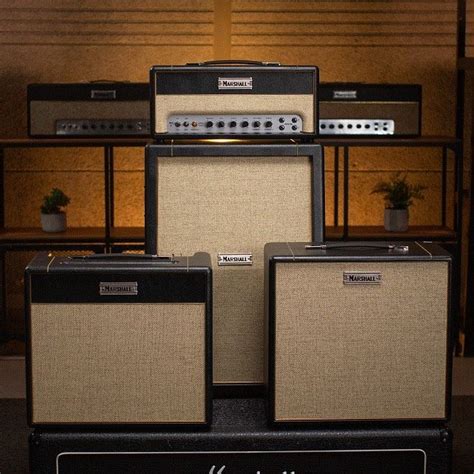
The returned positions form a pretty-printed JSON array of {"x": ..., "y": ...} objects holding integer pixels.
[
  {"x": 369, "y": 109},
  {"x": 358, "y": 332},
  {"x": 93, "y": 109},
  {"x": 234, "y": 99},
  {"x": 239, "y": 442},
  {"x": 116, "y": 340},
  {"x": 230, "y": 200}
]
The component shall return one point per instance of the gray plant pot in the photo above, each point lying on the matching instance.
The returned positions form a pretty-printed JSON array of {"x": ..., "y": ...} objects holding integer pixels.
[
  {"x": 396, "y": 220},
  {"x": 54, "y": 222}
]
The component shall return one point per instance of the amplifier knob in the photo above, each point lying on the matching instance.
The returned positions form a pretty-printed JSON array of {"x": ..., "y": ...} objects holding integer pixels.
[
  {"x": 244, "y": 124},
  {"x": 221, "y": 124},
  {"x": 209, "y": 124},
  {"x": 294, "y": 120},
  {"x": 281, "y": 120},
  {"x": 177, "y": 124},
  {"x": 233, "y": 124},
  {"x": 256, "y": 124},
  {"x": 186, "y": 124},
  {"x": 268, "y": 124},
  {"x": 281, "y": 127},
  {"x": 294, "y": 127}
]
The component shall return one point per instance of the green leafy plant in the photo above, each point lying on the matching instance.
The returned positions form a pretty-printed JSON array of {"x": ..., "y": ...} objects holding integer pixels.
[
  {"x": 53, "y": 203},
  {"x": 398, "y": 192}
]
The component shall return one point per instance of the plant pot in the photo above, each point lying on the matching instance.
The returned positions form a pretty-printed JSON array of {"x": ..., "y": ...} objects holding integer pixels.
[
  {"x": 54, "y": 222},
  {"x": 396, "y": 220}
]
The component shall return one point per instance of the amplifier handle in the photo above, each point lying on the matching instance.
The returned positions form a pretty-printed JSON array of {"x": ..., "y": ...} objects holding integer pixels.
[
  {"x": 98, "y": 257},
  {"x": 243, "y": 62},
  {"x": 398, "y": 247}
]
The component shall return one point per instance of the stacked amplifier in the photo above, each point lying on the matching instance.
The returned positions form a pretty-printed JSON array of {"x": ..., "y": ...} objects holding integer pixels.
[{"x": 159, "y": 363}]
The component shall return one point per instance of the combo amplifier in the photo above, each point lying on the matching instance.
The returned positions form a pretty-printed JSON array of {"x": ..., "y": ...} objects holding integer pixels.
[
  {"x": 89, "y": 109},
  {"x": 119, "y": 340},
  {"x": 233, "y": 99},
  {"x": 369, "y": 109},
  {"x": 240, "y": 443},
  {"x": 229, "y": 200},
  {"x": 358, "y": 332}
]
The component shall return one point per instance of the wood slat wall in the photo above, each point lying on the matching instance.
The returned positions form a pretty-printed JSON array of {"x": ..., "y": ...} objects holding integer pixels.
[{"x": 371, "y": 41}]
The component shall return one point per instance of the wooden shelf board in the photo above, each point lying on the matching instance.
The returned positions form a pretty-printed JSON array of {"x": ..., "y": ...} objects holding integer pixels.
[{"x": 378, "y": 232}]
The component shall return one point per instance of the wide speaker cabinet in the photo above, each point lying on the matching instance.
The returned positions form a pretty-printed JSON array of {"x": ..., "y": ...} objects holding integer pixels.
[
  {"x": 358, "y": 332},
  {"x": 119, "y": 340},
  {"x": 240, "y": 442},
  {"x": 229, "y": 200}
]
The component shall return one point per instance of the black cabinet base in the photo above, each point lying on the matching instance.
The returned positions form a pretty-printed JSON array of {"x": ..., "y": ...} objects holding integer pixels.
[{"x": 240, "y": 442}]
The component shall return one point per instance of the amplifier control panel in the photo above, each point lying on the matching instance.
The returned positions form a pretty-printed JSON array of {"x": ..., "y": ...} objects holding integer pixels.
[
  {"x": 356, "y": 127},
  {"x": 99, "y": 127},
  {"x": 282, "y": 124}
]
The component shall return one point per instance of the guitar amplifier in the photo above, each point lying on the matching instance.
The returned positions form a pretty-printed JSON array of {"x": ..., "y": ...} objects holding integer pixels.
[
  {"x": 94, "y": 109},
  {"x": 239, "y": 442},
  {"x": 358, "y": 332},
  {"x": 115, "y": 340},
  {"x": 229, "y": 200},
  {"x": 234, "y": 99},
  {"x": 369, "y": 109}
]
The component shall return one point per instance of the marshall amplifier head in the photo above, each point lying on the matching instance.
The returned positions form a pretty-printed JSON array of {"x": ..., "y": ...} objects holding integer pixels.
[
  {"x": 230, "y": 200},
  {"x": 119, "y": 340},
  {"x": 369, "y": 109},
  {"x": 234, "y": 99},
  {"x": 358, "y": 332},
  {"x": 89, "y": 109}
]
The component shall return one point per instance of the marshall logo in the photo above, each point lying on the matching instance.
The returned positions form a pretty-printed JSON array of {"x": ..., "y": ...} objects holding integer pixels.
[
  {"x": 362, "y": 278},
  {"x": 118, "y": 288},
  {"x": 234, "y": 259},
  {"x": 234, "y": 83},
  {"x": 344, "y": 95}
]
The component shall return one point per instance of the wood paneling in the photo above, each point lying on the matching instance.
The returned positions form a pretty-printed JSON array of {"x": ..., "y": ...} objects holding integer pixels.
[{"x": 371, "y": 41}]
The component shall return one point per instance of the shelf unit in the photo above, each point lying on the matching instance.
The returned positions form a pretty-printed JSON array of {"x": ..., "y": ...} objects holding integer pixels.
[
  {"x": 110, "y": 238},
  {"x": 466, "y": 67}
]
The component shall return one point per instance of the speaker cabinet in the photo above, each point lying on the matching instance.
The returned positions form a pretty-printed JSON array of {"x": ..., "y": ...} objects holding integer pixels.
[
  {"x": 119, "y": 340},
  {"x": 229, "y": 200},
  {"x": 358, "y": 332},
  {"x": 240, "y": 443}
]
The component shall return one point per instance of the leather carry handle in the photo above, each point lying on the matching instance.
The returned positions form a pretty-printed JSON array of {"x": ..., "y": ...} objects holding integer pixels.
[
  {"x": 99, "y": 257},
  {"x": 233, "y": 62},
  {"x": 400, "y": 248}
]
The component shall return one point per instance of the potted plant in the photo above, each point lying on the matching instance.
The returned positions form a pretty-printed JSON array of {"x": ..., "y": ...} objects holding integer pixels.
[
  {"x": 398, "y": 194},
  {"x": 53, "y": 218}
]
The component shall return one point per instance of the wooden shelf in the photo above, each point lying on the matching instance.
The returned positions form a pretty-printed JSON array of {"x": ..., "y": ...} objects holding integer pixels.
[
  {"x": 127, "y": 234},
  {"x": 25, "y": 142},
  {"x": 437, "y": 233},
  {"x": 31, "y": 236},
  {"x": 382, "y": 141}
]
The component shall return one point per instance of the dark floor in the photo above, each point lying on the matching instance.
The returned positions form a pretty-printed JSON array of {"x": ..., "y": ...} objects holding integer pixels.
[{"x": 14, "y": 436}]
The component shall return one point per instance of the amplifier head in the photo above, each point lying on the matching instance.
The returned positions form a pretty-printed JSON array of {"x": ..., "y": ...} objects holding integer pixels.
[
  {"x": 119, "y": 340},
  {"x": 358, "y": 332},
  {"x": 358, "y": 109},
  {"x": 221, "y": 100},
  {"x": 89, "y": 109},
  {"x": 230, "y": 200}
]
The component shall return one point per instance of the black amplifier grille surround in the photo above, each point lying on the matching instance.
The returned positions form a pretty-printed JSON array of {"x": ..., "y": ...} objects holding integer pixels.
[
  {"x": 115, "y": 340},
  {"x": 373, "y": 336},
  {"x": 89, "y": 109},
  {"x": 240, "y": 443},
  {"x": 357, "y": 109},
  {"x": 226, "y": 100}
]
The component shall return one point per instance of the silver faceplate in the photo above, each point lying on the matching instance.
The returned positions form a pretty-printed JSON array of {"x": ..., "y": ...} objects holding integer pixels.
[
  {"x": 251, "y": 124},
  {"x": 356, "y": 127}
]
